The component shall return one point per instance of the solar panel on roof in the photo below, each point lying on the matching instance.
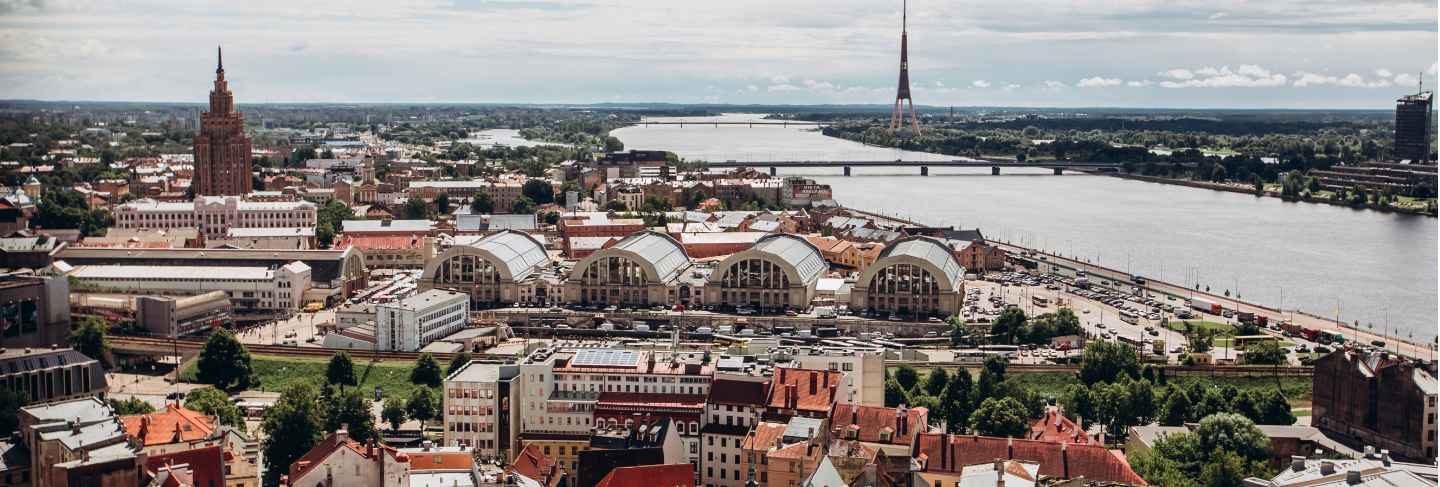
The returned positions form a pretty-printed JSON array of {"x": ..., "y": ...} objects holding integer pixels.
[{"x": 606, "y": 358}]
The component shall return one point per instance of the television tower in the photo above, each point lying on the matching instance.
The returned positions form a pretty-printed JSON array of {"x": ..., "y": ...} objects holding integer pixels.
[{"x": 902, "y": 95}]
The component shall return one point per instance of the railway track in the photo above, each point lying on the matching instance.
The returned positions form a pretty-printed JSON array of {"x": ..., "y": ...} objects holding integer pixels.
[
  {"x": 1214, "y": 370},
  {"x": 135, "y": 344}
]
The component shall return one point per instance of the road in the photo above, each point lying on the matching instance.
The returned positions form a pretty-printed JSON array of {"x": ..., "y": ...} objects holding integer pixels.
[{"x": 1394, "y": 344}]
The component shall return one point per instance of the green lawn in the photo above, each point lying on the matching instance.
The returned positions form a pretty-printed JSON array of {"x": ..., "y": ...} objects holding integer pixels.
[
  {"x": 275, "y": 373},
  {"x": 1179, "y": 325}
]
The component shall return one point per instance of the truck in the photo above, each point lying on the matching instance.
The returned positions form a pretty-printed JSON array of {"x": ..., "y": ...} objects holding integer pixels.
[
  {"x": 1298, "y": 330},
  {"x": 1157, "y": 346},
  {"x": 1204, "y": 306}
]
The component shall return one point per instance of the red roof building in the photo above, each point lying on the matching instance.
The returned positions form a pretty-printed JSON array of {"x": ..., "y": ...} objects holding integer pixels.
[
  {"x": 678, "y": 475},
  {"x": 197, "y": 467},
  {"x": 945, "y": 453},
  {"x": 809, "y": 393},
  {"x": 533, "y": 465},
  {"x": 173, "y": 425},
  {"x": 1056, "y": 428},
  {"x": 623, "y": 408},
  {"x": 876, "y": 424},
  {"x": 338, "y": 460}
]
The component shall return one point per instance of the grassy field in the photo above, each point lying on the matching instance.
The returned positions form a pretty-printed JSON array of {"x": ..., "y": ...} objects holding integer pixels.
[
  {"x": 275, "y": 373},
  {"x": 1224, "y": 328},
  {"x": 1051, "y": 384}
]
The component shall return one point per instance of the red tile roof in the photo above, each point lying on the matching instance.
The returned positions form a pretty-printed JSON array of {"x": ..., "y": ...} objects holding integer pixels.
[
  {"x": 650, "y": 399},
  {"x": 173, "y": 425},
  {"x": 440, "y": 460},
  {"x": 677, "y": 475},
  {"x": 805, "y": 389},
  {"x": 1056, "y": 428},
  {"x": 380, "y": 242},
  {"x": 872, "y": 420},
  {"x": 206, "y": 465},
  {"x": 534, "y": 465},
  {"x": 739, "y": 389},
  {"x": 950, "y": 453},
  {"x": 763, "y": 437}
]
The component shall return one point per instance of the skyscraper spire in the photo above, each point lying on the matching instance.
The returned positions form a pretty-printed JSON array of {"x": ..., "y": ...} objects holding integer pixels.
[{"x": 219, "y": 60}]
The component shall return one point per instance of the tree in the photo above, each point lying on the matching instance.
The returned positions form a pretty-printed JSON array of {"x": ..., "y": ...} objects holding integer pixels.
[
  {"x": 1274, "y": 409},
  {"x": 1244, "y": 405},
  {"x": 416, "y": 209},
  {"x": 349, "y": 408},
  {"x": 996, "y": 365},
  {"x": 133, "y": 405},
  {"x": 1177, "y": 408},
  {"x": 615, "y": 205},
  {"x": 1231, "y": 432},
  {"x": 421, "y": 405},
  {"x": 1077, "y": 403},
  {"x": 456, "y": 363},
  {"x": 482, "y": 203},
  {"x": 539, "y": 191},
  {"x": 937, "y": 380},
  {"x": 224, "y": 362},
  {"x": 1005, "y": 326},
  {"x": 1104, "y": 361},
  {"x": 894, "y": 394},
  {"x": 956, "y": 402},
  {"x": 325, "y": 234},
  {"x": 426, "y": 371},
  {"x": 1265, "y": 352},
  {"x": 986, "y": 384},
  {"x": 552, "y": 217},
  {"x": 907, "y": 377},
  {"x": 90, "y": 339},
  {"x": 211, "y": 401},
  {"x": 1003, "y": 417},
  {"x": 341, "y": 370},
  {"x": 442, "y": 203},
  {"x": 522, "y": 205},
  {"x": 394, "y": 412},
  {"x": 1223, "y": 469},
  {"x": 292, "y": 427},
  {"x": 1218, "y": 174}
]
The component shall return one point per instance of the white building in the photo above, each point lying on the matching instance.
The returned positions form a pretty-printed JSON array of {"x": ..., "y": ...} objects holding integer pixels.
[
  {"x": 414, "y": 322},
  {"x": 476, "y": 408},
  {"x": 215, "y": 215},
  {"x": 864, "y": 381},
  {"x": 251, "y": 289}
]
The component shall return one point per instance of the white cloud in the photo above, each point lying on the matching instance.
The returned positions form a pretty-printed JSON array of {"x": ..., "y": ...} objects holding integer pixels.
[
  {"x": 1244, "y": 76},
  {"x": 752, "y": 88},
  {"x": 1138, "y": 83},
  {"x": 1219, "y": 15},
  {"x": 1054, "y": 85},
  {"x": 980, "y": 83},
  {"x": 1406, "y": 79},
  {"x": 781, "y": 88},
  {"x": 1350, "y": 80},
  {"x": 1384, "y": 73},
  {"x": 1011, "y": 87},
  {"x": 1098, "y": 82},
  {"x": 939, "y": 84},
  {"x": 779, "y": 79},
  {"x": 1177, "y": 73},
  {"x": 1431, "y": 71}
]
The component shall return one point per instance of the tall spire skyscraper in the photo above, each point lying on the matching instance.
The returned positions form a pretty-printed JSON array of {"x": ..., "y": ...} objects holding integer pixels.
[
  {"x": 902, "y": 95},
  {"x": 222, "y": 150}
]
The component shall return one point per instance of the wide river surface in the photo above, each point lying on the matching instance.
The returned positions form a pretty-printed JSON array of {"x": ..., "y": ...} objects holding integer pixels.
[{"x": 1370, "y": 266}]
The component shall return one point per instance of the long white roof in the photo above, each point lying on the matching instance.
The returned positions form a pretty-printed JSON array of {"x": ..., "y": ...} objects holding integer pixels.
[
  {"x": 930, "y": 250},
  {"x": 519, "y": 252},
  {"x": 663, "y": 252},
  {"x": 172, "y": 272},
  {"x": 795, "y": 251}
]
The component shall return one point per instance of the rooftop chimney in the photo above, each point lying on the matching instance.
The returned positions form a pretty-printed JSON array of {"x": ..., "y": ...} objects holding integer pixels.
[
  {"x": 342, "y": 435},
  {"x": 1352, "y": 477},
  {"x": 1297, "y": 463},
  {"x": 1385, "y": 457},
  {"x": 1327, "y": 467},
  {"x": 813, "y": 381}
]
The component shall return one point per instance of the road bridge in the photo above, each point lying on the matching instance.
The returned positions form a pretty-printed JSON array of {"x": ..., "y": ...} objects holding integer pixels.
[
  {"x": 1057, "y": 167},
  {"x": 764, "y": 123}
]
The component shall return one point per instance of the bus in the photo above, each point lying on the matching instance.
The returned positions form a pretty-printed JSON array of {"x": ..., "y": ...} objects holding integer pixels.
[
  {"x": 1329, "y": 336},
  {"x": 1040, "y": 301},
  {"x": 1129, "y": 317},
  {"x": 1007, "y": 351},
  {"x": 970, "y": 357}
]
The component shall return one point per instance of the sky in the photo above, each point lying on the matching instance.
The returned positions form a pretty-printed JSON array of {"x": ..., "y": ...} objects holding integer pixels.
[{"x": 1041, "y": 53}]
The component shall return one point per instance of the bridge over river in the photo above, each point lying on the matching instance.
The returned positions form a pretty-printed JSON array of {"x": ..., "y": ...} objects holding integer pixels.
[{"x": 1058, "y": 167}]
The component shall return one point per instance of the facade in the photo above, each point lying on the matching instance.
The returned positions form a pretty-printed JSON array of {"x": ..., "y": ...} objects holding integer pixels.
[
  {"x": 807, "y": 393},
  {"x": 182, "y": 316},
  {"x": 937, "y": 453},
  {"x": 34, "y": 310},
  {"x": 732, "y": 410},
  {"x": 778, "y": 272},
  {"x": 477, "y": 407},
  {"x": 979, "y": 255},
  {"x": 51, "y": 374},
  {"x": 915, "y": 276},
  {"x": 77, "y": 442},
  {"x": 334, "y": 274},
  {"x": 878, "y": 424},
  {"x": 215, "y": 216},
  {"x": 252, "y": 290},
  {"x": 493, "y": 271},
  {"x": 390, "y": 251},
  {"x": 337, "y": 460},
  {"x": 296, "y": 238},
  {"x": 864, "y": 372},
  {"x": 411, "y": 323},
  {"x": 1371, "y": 399},
  {"x": 222, "y": 150},
  {"x": 643, "y": 269},
  {"x": 1413, "y": 114}
]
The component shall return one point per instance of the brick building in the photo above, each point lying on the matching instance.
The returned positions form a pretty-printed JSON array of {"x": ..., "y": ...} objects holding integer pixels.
[
  {"x": 222, "y": 150},
  {"x": 1373, "y": 399}
]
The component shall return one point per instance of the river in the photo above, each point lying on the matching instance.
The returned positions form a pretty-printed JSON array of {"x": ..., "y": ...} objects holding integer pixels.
[{"x": 1371, "y": 266}]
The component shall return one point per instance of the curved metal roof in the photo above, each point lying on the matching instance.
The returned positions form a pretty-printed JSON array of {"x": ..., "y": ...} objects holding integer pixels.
[
  {"x": 660, "y": 250},
  {"x": 518, "y": 252},
  {"x": 796, "y": 252},
  {"x": 931, "y": 250}
]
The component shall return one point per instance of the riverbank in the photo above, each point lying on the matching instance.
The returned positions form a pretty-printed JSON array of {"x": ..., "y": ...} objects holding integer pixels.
[
  {"x": 1246, "y": 189},
  {"x": 1298, "y": 317}
]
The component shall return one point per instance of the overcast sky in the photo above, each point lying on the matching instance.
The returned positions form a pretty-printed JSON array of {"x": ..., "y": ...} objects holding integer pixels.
[{"x": 1140, "y": 53}]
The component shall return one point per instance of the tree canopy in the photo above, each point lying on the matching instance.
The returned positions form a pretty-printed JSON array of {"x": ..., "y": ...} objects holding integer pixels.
[
  {"x": 1104, "y": 361},
  {"x": 211, "y": 401},
  {"x": 292, "y": 427},
  {"x": 341, "y": 370},
  {"x": 426, "y": 371},
  {"x": 1004, "y": 417},
  {"x": 90, "y": 338},
  {"x": 224, "y": 362}
]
